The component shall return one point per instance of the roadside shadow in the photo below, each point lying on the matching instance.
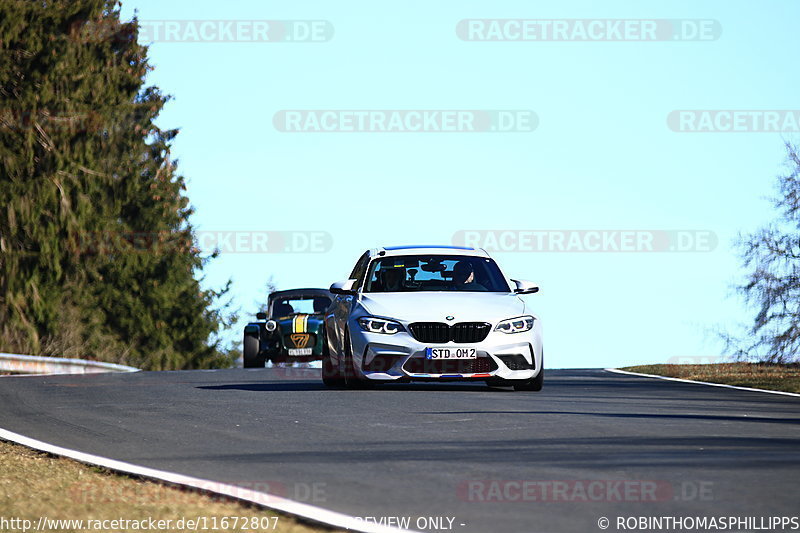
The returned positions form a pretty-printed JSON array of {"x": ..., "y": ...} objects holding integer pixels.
[
  {"x": 269, "y": 387},
  {"x": 707, "y": 452},
  {"x": 444, "y": 387},
  {"x": 306, "y": 386},
  {"x": 714, "y": 418}
]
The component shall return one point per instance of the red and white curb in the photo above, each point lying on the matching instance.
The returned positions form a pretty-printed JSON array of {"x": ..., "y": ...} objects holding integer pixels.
[
  {"x": 270, "y": 501},
  {"x": 618, "y": 371}
]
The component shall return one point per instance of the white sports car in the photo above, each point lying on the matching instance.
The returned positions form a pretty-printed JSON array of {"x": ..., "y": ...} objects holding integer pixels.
[{"x": 431, "y": 313}]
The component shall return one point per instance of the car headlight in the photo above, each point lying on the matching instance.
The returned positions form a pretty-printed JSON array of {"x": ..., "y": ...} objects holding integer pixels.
[
  {"x": 515, "y": 325},
  {"x": 271, "y": 325},
  {"x": 380, "y": 325}
]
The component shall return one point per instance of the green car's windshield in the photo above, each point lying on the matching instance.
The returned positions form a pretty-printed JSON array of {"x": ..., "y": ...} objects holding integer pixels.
[
  {"x": 411, "y": 273},
  {"x": 298, "y": 305}
]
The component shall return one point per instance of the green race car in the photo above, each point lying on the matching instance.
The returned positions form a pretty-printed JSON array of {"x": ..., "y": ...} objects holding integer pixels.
[{"x": 292, "y": 329}]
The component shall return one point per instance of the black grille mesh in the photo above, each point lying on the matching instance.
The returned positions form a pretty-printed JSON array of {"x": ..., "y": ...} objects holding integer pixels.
[
  {"x": 463, "y": 332},
  {"x": 420, "y": 365}
]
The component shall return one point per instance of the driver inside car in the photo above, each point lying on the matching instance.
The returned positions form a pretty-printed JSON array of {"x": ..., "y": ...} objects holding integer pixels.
[
  {"x": 464, "y": 277},
  {"x": 393, "y": 279},
  {"x": 282, "y": 308}
]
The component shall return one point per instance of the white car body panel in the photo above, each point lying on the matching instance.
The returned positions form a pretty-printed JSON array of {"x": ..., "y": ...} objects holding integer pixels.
[
  {"x": 436, "y": 306},
  {"x": 443, "y": 307}
]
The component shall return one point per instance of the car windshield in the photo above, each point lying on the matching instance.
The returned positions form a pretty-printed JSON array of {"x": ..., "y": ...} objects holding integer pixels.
[
  {"x": 413, "y": 273},
  {"x": 293, "y": 305}
]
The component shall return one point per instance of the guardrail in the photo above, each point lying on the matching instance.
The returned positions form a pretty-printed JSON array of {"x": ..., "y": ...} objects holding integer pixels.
[{"x": 34, "y": 364}]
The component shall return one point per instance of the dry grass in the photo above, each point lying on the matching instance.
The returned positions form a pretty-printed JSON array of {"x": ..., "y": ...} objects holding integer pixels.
[
  {"x": 756, "y": 375},
  {"x": 33, "y": 484}
]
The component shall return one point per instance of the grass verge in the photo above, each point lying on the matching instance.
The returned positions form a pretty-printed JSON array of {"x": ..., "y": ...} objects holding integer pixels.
[
  {"x": 35, "y": 484},
  {"x": 784, "y": 378}
]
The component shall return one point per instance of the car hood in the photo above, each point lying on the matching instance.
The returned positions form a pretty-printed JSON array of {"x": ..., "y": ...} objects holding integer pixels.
[{"x": 436, "y": 306}]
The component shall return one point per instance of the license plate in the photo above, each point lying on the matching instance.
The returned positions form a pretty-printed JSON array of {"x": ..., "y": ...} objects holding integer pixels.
[
  {"x": 300, "y": 351},
  {"x": 451, "y": 353}
]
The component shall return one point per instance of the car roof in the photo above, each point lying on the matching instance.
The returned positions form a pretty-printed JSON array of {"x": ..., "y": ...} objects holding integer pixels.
[
  {"x": 300, "y": 292},
  {"x": 424, "y": 249}
]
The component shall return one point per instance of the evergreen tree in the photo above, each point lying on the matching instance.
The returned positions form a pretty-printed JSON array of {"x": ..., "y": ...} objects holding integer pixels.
[{"x": 96, "y": 248}]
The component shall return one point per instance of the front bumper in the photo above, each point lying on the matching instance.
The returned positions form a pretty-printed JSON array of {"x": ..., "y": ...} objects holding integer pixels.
[
  {"x": 276, "y": 346},
  {"x": 284, "y": 357},
  {"x": 400, "y": 357}
]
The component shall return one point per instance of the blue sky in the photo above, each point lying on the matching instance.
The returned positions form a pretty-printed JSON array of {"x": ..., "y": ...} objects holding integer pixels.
[{"x": 601, "y": 158}]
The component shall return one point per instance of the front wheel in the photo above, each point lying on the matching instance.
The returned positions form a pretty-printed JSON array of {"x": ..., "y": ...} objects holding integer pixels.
[
  {"x": 331, "y": 376},
  {"x": 351, "y": 378},
  {"x": 251, "y": 357}
]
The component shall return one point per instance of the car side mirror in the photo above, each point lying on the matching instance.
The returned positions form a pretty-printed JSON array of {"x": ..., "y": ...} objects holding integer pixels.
[
  {"x": 343, "y": 287},
  {"x": 261, "y": 316},
  {"x": 525, "y": 287}
]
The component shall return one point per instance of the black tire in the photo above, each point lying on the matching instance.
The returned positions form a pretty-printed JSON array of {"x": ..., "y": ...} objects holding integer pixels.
[
  {"x": 533, "y": 384},
  {"x": 331, "y": 376},
  {"x": 351, "y": 378},
  {"x": 251, "y": 357}
]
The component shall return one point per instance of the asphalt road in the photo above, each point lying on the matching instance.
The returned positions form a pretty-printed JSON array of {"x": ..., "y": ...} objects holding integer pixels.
[{"x": 592, "y": 444}]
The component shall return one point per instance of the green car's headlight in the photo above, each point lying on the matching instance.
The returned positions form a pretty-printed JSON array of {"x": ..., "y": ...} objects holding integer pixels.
[
  {"x": 516, "y": 325},
  {"x": 380, "y": 325}
]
